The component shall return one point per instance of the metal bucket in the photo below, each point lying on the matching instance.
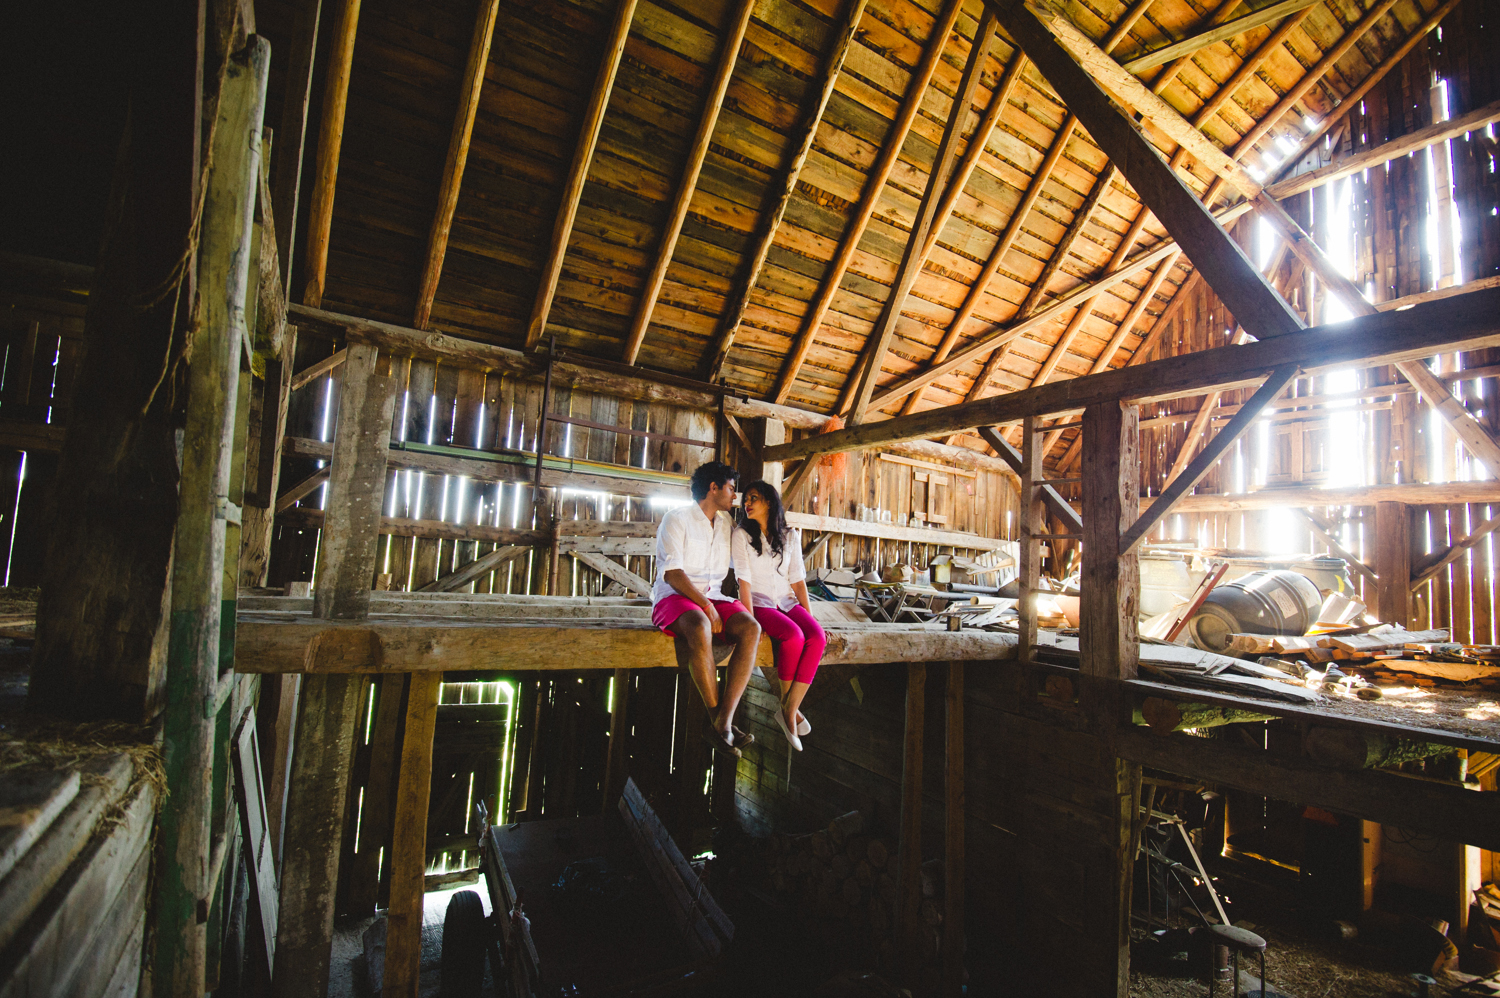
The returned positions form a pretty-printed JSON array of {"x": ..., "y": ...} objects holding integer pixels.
[{"x": 1270, "y": 602}]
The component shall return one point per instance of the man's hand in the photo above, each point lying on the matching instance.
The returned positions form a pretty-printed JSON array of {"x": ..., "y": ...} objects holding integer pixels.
[{"x": 714, "y": 621}]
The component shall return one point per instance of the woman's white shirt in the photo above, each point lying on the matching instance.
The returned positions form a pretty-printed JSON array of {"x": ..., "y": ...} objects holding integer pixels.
[{"x": 770, "y": 575}]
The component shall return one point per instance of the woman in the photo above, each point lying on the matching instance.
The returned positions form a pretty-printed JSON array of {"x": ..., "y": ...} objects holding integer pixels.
[{"x": 767, "y": 559}]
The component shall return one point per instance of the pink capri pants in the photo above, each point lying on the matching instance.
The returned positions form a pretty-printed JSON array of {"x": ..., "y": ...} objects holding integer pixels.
[{"x": 799, "y": 641}]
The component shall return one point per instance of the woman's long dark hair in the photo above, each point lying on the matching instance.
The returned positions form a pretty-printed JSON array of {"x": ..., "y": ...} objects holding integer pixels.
[{"x": 775, "y": 519}]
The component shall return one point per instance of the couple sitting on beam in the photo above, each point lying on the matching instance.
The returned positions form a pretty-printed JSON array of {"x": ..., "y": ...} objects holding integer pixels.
[{"x": 696, "y": 545}]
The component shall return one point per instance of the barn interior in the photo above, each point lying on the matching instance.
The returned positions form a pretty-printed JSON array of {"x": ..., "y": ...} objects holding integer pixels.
[{"x": 1128, "y": 369}]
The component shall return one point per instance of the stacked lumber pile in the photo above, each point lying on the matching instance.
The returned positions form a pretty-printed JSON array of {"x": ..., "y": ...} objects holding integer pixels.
[{"x": 843, "y": 881}]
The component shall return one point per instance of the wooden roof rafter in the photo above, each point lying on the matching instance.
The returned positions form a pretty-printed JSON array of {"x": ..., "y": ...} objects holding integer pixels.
[
  {"x": 683, "y": 197},
  {"x": 583, "y": 155},
  {"x": 874, "y": 185},
  {"x": 923, "y": 233},
  {"x": 734, "y": 312},
  {"x": 457, "y": 158}
]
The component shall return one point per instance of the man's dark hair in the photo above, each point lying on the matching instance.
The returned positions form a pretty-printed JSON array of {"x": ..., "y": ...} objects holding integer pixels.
[{"x": 706, "y": 476}]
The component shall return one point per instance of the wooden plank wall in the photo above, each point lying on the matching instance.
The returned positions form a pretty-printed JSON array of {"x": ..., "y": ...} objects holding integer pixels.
[
  {"x": 1040, "y": 808},
  {"x": 1398, "y": 438}
]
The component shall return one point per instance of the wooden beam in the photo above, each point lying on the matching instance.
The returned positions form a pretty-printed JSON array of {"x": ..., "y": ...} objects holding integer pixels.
[
  {"x": 1108, "y": 643},
  {"x": 1439, "y": 560},
  {"x": 833, "y": 65},
  {"x": 1462, "y": 322},
  {"x": 977, "y": 144},
  {"x": 294, "y": 642},
  {"x": 1059, "y": 506},
  {"x": 791, "y": 490},
  {"x": 313, "y": 372},
  {"x": 329, "y": 705},
  {"x": 330, "y": 145},
  {"x": 1435, "y": 390},
  {"x": 909, "y": 843},
  {"x": 1209, "y": 456},
  {"x": 1221, "y": 33},
  {"x": 875, "y": 182},
  {"x": 466, "y": 573},
  {"x": 1323, "y": 529},
  {"x": 1000, "y": 335},
  {"x": 291, "y": 135},
  {"x": 356, "y": 485},
  {"x": 1444, "y": 810},
  {"x": 923, "y": 228},
  {"x": 1299, "y": 90},
  {"x": 1030, "y": 523},
  {"x": 458, "y": 157},
  {"x": 940, "y": 358},
  {"x": 1101, "y": 71},
  {"x": 1013, "y": 227},
  {"x": 301, "y": 490},
  {"x": 615, "y": 571},
  {"x": 1393, "y": 563},
  {"x": 683, "y": 198},
  {"x": 1236, "y": 280},
  {"x": 578, "y": 171},
  {"x": 1443, "y": 493},
  {"x": 1351, "y": 100},
  {"x": 1133, "y": 316},
  {"x": 955, "y": 814},
  {"x": 408, "y": 858},
  {"x": 198, "y": 630},
  {"x": 573, "y": 370},
  {"x": 1404, "y": 145}
]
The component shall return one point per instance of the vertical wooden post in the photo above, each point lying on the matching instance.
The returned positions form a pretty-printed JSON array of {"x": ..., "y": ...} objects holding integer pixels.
[
  {"x": 330, "y": 144},
  {"x": 1033, "y": 522},
  {"x": 329, "y": 704},
  {"x": 1393, "y": 563},
  {"x": 1109, "y": 638},
  {"x": 909, "y": 847},
  {"x": 953, "y": 849},
  {"x": 619, "y": 737},
  {"x": 1109, "y": 641},
  {"x": 403, "y": 945},
  {"x": 356, "y": 485},
  {"x": 183, "y": 887}
]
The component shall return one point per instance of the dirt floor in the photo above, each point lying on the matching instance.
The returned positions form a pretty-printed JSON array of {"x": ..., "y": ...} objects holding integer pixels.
[{"x": 1305, "y": 956}]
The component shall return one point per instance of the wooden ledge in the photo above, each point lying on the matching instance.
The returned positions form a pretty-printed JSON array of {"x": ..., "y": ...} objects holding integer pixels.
[{"x": 271, "y": 642}]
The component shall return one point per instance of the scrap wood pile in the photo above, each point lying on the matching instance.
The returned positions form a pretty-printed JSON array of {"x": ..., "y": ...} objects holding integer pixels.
[
  {"x": 1363, "y": 661},
  {"x": 844, "y": 880}
]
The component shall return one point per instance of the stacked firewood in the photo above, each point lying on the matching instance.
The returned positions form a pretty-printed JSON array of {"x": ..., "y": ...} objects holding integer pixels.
[{"x": 844, "y": 878}]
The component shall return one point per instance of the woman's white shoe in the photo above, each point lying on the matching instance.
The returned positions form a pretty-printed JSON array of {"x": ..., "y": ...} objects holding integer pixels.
[
  {"x": 791, "y": 736},
  {"x": 803, "y": 728}
]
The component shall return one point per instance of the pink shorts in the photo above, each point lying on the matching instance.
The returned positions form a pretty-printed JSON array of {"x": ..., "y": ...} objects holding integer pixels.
[{"x": 664, "y": 612}]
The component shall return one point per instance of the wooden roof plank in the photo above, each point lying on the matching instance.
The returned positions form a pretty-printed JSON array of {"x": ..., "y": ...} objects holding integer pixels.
[
  {"x": 928, "y": 222},
  {"x": 833, "y": 66},
  {"x": 876, "y": 181},
  {"x": 588, "y": 137}
]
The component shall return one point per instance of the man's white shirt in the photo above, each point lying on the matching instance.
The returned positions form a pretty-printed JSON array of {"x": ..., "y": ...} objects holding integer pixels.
[{"x": 686, "y": 540}]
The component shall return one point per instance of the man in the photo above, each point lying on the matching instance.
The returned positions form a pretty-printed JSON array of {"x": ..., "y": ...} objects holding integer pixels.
[{"x": 689, "y": 602}]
